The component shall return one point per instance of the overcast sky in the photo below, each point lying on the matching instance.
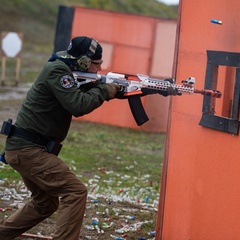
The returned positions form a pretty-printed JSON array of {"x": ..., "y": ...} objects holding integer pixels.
[{"x": 169, "y": 1}]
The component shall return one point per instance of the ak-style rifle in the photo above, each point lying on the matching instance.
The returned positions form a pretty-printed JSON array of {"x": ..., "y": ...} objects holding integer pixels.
[{"x": 135, "y": 86}]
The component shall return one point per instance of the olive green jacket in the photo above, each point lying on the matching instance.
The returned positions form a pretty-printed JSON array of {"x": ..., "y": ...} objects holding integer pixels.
[{"x": 52, "y": 101}]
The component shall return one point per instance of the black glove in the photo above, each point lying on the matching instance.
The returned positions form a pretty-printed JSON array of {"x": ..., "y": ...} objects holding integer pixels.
[
  {"x": 112, "y": 89},
  {"x": 173, "y": 92},
  {"x": 120, "y": 93}
]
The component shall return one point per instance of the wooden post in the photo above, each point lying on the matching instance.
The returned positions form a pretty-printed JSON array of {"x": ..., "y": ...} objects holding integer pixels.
[
  {"x": 18, "y": 64},
  {"x": 3, "y": 70}
]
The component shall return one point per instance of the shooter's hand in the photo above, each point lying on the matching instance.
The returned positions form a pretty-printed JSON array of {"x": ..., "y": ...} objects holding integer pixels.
[
  {"x": 171, "y": 91},
  {"x": 112, "y": 89}
]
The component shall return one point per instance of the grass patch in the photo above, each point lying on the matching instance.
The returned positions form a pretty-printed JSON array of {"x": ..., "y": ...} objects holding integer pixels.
[
  {"x": 125, "y": 151},
  {"x": 89, "y": 147}
]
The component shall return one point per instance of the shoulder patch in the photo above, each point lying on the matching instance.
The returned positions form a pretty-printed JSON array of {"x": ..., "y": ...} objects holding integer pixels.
[{"x": 67, "y": 81}]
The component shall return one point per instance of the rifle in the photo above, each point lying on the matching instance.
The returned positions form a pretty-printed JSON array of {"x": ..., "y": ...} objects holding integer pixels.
[{"x": 135, "y": 86}]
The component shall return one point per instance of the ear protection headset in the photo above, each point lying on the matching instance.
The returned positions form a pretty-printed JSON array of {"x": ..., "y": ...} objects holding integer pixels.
[{"x": 85, "y": 60}]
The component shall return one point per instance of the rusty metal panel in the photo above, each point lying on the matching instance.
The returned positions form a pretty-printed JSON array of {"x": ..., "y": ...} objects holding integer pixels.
[
  {"x": 131, "y": 44},
  {"x": 200, "y": 185}
]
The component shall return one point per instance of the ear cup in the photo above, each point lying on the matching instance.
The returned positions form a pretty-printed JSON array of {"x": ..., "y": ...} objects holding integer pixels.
[{"x": 84, "y": 62}]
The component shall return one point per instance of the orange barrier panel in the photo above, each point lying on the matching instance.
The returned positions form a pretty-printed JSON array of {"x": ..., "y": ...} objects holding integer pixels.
[
  {"x": 131, "y": 44},
  {"x": 200, "y": 182}
]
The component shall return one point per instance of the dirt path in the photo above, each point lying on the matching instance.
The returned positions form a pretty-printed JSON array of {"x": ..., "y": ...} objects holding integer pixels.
[{"x": 10, "y": 101}]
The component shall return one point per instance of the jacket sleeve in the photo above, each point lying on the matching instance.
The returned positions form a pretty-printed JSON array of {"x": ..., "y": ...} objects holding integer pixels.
[{"x": 62, "y": 85}]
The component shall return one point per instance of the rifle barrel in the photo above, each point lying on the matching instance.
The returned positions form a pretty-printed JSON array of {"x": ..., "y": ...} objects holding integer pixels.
[{"x": 208, "y": 92}]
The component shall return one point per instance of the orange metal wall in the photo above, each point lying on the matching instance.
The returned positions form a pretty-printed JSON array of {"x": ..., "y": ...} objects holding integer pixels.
[
  {"x": 131, "y": 44},
  {"x": 200, "y": 189}
]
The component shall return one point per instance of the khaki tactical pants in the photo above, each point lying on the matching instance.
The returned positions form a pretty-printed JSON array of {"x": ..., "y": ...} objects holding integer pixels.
[{"x": 53, "y": 185}]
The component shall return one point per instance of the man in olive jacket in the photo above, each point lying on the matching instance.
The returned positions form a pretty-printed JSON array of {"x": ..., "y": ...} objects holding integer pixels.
[{"x": 35, "y": 140}]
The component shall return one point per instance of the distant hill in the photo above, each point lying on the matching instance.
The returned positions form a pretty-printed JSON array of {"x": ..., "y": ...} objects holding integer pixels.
[{"x": 37, "y": 19}]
